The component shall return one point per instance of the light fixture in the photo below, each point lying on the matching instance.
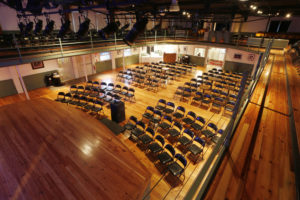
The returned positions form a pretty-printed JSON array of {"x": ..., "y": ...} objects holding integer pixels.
[
  {"x": 110, "y": 28},
  {"x": 84, "y": 28},
  {"x": 188, "y": 16},
  {"x": 243, "y": 0},
  {"x": 259, "y": 12},
  {"x": 65, "y": 28},
  {"x": 137, "y": 29},
  {"x": 174, "y": 7},
  {"x": 253, "y": 7},
  {"x": 184, "y": 13},
  {"x": 288, "y": 15},
  {"x": 277, "y": 13},
  {"x": 49, "y": 27},
  {"x": 28, "y": 28},
  {"x": 38, "y": 27}
]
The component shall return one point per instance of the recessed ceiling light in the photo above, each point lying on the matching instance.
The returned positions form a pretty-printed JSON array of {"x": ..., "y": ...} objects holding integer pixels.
[
  {"x": 288, "y": 15},
  {"x": 277, "y": 13},
  {"x": 184, "y": 13},
  {"x": 259, "y": 12}
]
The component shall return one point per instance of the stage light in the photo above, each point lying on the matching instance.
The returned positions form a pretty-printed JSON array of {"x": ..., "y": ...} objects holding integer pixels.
[
  {"x": 84, "y": 28},
  {"x": 138, "y": 28},
  {"x": 21, "y": 26},
  {"x": 65, "y": 28},
  {"x": 38, "y": 27},
  {"x": 184, "y": 13},
  {"x": 288, "y": 15},
  {"x": 259, "y": 12},
  {"x": 49, "y": 27},
  {"x": 110, "y": 28},
  {"x": 277, "y": 14},
  {"x": 28, "y": 28}
]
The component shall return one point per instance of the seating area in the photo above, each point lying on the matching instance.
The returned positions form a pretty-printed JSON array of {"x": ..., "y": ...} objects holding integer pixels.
[
  {"x": 214, "y": 90},
  {"x": 172, "y": 136},
  {"x": 153, "y": 76},
  {"x": 94, "y": 95}
]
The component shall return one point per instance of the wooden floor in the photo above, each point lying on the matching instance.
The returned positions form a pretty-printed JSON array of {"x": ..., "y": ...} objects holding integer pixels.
[
  {"x": 52, "y": 151},
  {"x": 268, "y": 174},
  {"x": 162, "y": 187}
]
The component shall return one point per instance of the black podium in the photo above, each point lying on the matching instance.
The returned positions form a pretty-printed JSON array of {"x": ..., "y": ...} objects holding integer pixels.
[{"x": 117, "y": 109}]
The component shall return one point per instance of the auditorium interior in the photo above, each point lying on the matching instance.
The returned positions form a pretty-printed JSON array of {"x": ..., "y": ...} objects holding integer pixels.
[{"x": 168, "y": 99}]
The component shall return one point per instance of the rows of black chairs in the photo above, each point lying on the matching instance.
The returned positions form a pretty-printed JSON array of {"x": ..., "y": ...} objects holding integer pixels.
[
  {"x": 91, "y": 105},
  {"x": 104, "y": 92}
]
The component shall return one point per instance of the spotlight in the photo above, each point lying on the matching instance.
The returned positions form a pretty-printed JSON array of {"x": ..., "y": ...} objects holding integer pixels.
[
  {"x": 288, "y": 15},
  {"x": 259, "y": 12},
  {"x": 65, "y": 28},
  {"x": 49, "y": 27},
  {"x": 109, "y": 29},
  {"x": 28, "y": 28},
  {"x": 137, "y": 29},
  {"x": 253, "y": 7},
  {"x": 38, "y": 27},
  {"x": 84, "y": 28},
  {"x": 21, "y": 27}
]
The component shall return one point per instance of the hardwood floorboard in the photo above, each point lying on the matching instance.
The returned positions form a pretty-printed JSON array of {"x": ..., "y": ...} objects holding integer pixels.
[{"x": 270, "y": 174}]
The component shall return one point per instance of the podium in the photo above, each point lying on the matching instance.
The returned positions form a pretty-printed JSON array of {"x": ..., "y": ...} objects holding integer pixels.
[{"x": 117, "y": 109}]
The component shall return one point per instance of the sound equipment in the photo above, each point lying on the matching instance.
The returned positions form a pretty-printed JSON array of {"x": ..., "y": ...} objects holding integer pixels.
[{"x": 117, "y": 109}]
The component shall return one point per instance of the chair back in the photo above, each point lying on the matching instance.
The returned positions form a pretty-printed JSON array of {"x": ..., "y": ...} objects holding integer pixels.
[
  {"x": 200, "y": 141},
  {"x": 167, "y": 119},
  {"x": 132, "y": 119},
  {"x": 177, "y": 126},
  {"x": 160, "y": 140},
  {"x": 191, "y": 115},
  {"x": 201, "y": 120},
  {"x": 212, "y": 126},
  {"x": 140, "y": 125},
  {"x": 188, "y": 133},
  {"x": 170, "y": 150},
  {"x": 150, "y": 131},
  {"x": 180, "y": 159}
]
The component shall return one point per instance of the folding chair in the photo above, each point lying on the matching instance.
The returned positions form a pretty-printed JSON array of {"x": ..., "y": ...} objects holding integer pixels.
[
  {"x": 179, "y": 113},
  {"x": 158, "y": 144},
  {"x": 147, "y": 137},
  {"x": 170, "y": 106},
  {"x": 167, "y": 155},
  {"x": 189, "y": 118},
  {"x": 210, "y": 131},
  {"x": 161, "y": 104},
  {"x": 196, "y": 148},
  {"x": 178, "y": 166},
  {"x": 130, "y": 123},
  {"x": 60, "y": 97},
  {"x": 138, "y": 130}
]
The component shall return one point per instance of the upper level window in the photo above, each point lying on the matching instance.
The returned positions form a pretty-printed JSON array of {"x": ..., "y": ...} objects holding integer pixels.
[
  {"x": 127, "y": 52},
  {"x": 105, "y": 56}
]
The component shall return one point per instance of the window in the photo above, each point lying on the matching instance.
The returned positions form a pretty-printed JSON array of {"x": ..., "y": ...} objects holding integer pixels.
[
  {"x": 279, "y": 26},
  {"x": 104, "y": 56},
  {"x": 127, "y": 52},
  {"x": 200, "y": 52},
  {"x": 284, "y": 26}
]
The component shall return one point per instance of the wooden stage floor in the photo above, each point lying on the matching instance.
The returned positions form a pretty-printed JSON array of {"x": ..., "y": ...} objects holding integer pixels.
[
  {"x": 52, "y": 151},
  {"x": 161, "y": 186},
  {"x": 269, "y": 175}
]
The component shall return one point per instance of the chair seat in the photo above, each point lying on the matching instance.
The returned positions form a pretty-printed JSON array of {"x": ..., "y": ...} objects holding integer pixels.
[
  {"x": 88, "y": 107},
  {"x": 197, "y": 98},
  {"x": 167, "y": 110},
  {"x": 159, "y": 107},
  {"x": 147, "y": 115},
  {"x": 178, "y": 115},
  {"x": 96, "y": 109},
  {"x": 194, "y": 149},
  {"x": 184, "y": 140},
  {"x": 129, "y": 126},
  {"x": 154, "y": 147},
  {"x": 187, "y": 120},
  {"x": 175, "y": 169},
  {"x": 208, "y": 133},
  {"x": 124, "y": 93},
  {"x": 116, "y": 91},
  {"x": 206, "y": 101},
  {"x": 155, "y": 120},
  {"x": 230, "y": 109},
  {"x": 164, "y": 125},
  {"x": 165, "y": 158},
  {"x": 217, "y": 105},
  {"x": 215, "y": 139},
  {"x": 137, "y": 132},
  {"x": 173, "y": 132},
  {"x": 129, "y": 95},
  {"x": 196, "y": 126},
  {"x": 146, "y": 139}
]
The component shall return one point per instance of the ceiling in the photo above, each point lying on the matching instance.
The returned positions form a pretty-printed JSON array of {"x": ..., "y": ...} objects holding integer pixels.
[{"x": 199, "y": 8}]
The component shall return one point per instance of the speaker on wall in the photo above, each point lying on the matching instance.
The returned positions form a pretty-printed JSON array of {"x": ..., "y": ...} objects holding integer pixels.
[{"x": 117, "y": 109}]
